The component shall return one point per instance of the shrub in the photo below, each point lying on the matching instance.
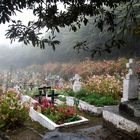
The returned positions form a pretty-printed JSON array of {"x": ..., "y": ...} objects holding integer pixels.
[
  {"x": 105, "y": 85},
  {"x": 100, "y": 100},
  {"x": 61, "y": 98},
  {"x": 12, "y": 112},
  {"x": 61, "y": 114},
  {"x": 82, "y": 93}
]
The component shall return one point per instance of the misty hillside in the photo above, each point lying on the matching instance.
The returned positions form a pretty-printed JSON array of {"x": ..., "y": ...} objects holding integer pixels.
[{"x": 23, "y": 56}]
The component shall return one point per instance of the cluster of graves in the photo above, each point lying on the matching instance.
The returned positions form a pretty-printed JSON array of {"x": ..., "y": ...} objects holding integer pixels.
[
  {"x": 49, "y": 92},
  {"x": 125, "y": 116},
  {"x": 43, "y": 89}
]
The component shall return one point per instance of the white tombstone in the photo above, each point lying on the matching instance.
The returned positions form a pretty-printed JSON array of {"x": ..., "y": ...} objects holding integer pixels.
[
  {"x": 61, "y": 83},
  {"x": 77, "y": 84},
  {"x": 17, "y": 88},
  {"x": 130, "y": 82}
]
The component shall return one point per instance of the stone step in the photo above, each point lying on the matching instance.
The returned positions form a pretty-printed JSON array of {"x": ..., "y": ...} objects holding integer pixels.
[
  {"x": 132, "y": 108},
  {"x": 124, "y": 122}
]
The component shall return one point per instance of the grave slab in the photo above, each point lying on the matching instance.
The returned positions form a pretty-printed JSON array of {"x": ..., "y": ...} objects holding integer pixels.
[
  {"x": 131, "y": 107},
  {"x": 128, "y": 124}
]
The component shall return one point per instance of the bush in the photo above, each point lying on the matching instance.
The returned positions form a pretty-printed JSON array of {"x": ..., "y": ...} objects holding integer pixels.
[
  {"x": 105, "y": 85},
  {"x": 99, "y": 100},
  {"x": 93, "y": 98},
  {"x": 12, "y": 112},
  {"x": 59, "y": 114},
  {"x": 61, "y": 98},
  {"x": 81, "y": 94}
]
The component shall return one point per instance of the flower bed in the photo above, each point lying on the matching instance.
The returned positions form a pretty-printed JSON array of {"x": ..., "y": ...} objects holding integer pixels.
[
  {"x": 61, "y": 114},
  {"x": 46, "y": 122},
  {"x": 52, "y": 116}
]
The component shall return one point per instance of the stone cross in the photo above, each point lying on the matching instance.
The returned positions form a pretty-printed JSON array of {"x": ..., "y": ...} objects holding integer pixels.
[
  {"x": 132, "y": 66},
  {"x": 17, "y": 88},
  {"x": 61, "y": 83},
  {"x": 77, "y": 83},
  {"x": 130, "y": 82}
]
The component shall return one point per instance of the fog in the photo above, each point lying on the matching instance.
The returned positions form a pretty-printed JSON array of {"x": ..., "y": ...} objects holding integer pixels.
[{"x": 19, "y": 55}]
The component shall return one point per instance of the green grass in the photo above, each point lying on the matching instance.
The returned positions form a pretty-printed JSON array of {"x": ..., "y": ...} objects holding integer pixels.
[
  {"x": 99, "y": 100},
  {"x": 96, "y": 99}
]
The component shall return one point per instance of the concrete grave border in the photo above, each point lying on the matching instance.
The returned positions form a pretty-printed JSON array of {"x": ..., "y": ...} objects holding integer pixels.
[
  {"x": 84, "y": 105},
  {"x": 110, "y": 115},
  {"x": 46, "y": 122}
]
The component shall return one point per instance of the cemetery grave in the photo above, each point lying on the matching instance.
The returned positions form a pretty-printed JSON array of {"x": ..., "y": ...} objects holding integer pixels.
[
  {"x": 54, "y": 115},
  {"x": 51, "y": 115},
  {"x": 126, "y": 115},
  {"x": 86, "y": 100},
  {"x": 37, "y": 114},
  {"x": 91, "y": 102}
]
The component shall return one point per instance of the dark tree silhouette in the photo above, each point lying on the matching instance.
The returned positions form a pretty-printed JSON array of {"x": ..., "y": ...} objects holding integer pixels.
[{"x": 114, "y": 16}]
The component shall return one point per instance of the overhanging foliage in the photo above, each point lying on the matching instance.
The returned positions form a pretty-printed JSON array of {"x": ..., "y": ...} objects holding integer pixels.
[{"x": 114, "y": 16}]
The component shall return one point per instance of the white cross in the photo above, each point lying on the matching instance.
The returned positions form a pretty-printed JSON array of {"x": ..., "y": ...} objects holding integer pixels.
[
  {"x": 131, "y": 66},
  {"x": 76, "y": 77}
]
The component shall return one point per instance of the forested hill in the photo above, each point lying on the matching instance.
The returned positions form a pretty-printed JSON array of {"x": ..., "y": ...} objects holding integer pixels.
[{"x": 23, "y": 56}]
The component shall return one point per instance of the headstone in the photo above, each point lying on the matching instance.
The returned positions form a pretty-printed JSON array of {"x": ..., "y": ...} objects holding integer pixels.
[
  {"x": 57, "y": 80},
  {"x": 61, "y": 83},
  {"x": 31, "y": 86},
  {"x": 77, "y": 83},
  {"x": 17, "y": 88},
  {"x": 130, "y": 82},
  {"x": 50, "y": 80}
]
